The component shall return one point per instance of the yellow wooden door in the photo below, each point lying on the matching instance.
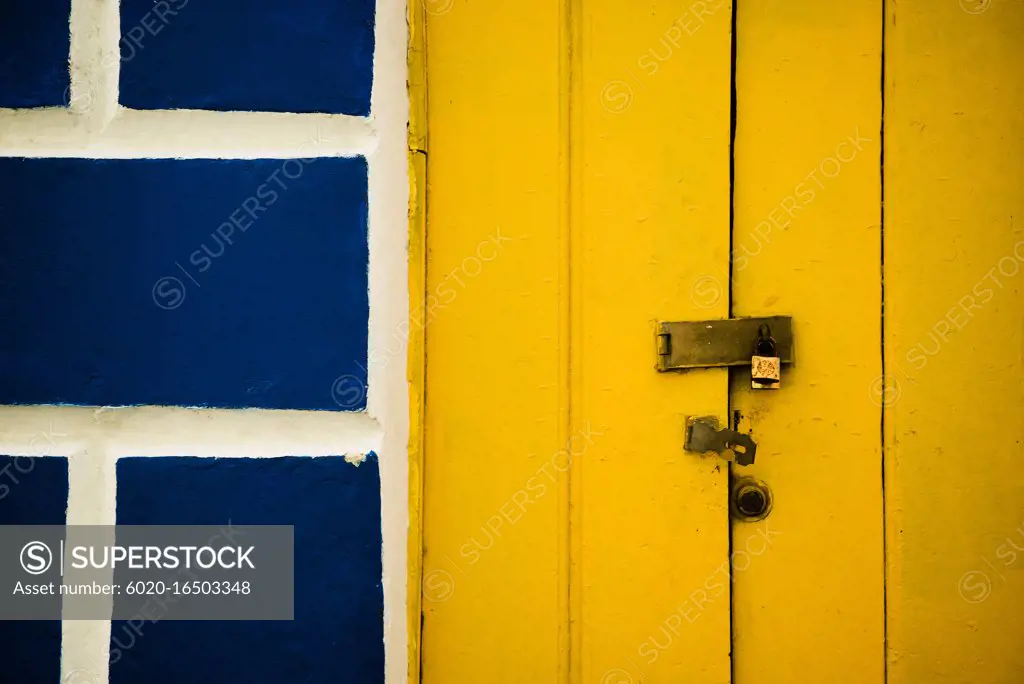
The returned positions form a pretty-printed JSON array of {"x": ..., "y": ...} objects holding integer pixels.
[
  {"x": 954, "y": 341},
  {"x": 594, "y": 167}
]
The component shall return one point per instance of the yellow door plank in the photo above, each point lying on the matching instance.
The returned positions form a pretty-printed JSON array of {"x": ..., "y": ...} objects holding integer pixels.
[
  {"x": 955, "y": 340},
  {"x": 494, "y": 462},
  {"x": 417, "y": 155},
  {"x": 808, "y": 580},
  {"x": 651, "y": 161}
]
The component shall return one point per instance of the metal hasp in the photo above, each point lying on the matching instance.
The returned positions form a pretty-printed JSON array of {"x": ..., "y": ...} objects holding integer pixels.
[
  {"x": 726, "y": 342},
  {"x": 704, "y": 435}
]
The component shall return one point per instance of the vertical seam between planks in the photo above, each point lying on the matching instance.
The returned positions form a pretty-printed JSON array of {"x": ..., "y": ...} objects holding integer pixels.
[
  {"x": 882, "y": 352},
  {"x": 730, "y": 474}
]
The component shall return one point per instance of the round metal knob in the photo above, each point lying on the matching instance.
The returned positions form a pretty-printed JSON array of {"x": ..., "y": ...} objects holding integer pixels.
[{"x": 751, "y": 500}]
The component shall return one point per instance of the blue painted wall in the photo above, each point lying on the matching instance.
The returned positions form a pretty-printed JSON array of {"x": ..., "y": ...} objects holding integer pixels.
[
  {"x": 34, "y": 46},
  {"x": 33, "y": 491},
  {"x": 266, "y": 55},
  {"x": 337, "y": 635},
  {"x": 118, "y": 289}
]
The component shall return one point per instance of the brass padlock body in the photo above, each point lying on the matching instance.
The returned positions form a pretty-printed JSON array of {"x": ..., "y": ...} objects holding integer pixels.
[
  {"x": 765, "y": 364},
  {"x": 765, "y": 372}
]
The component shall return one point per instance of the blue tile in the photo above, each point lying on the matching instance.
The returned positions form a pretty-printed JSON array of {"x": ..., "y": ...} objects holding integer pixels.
[
  {"x": 260, "y": 55},
  {"x": 337, "y": 634},
  {"x": 33, "y": 491},
  {"x": 34, "y": 47},
  {"x": 119, "y": 290}
]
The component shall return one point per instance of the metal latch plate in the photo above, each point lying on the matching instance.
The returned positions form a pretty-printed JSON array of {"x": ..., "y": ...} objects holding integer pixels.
[
  {"x": 720, "y": 343},
  {"x": 705, "y": 436}
]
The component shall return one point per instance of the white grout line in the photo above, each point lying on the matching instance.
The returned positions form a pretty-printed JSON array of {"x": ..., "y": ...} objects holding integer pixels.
[
  {"x": 95, "y": 60},
  {"x": 388, "y": 397},
  {"x": 175, "y": 431},
  {"x": 92, "y": 99},
  {"x": 183, "y": 134},
  {"x": 92, "y": 499}
]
